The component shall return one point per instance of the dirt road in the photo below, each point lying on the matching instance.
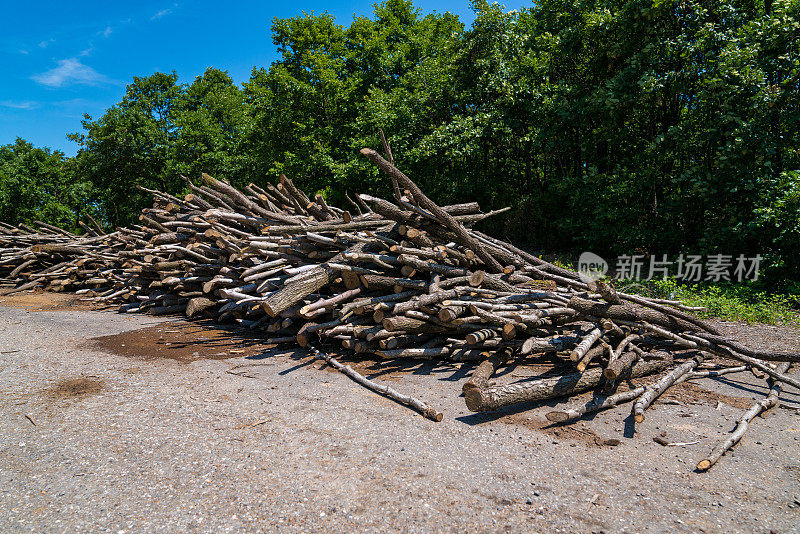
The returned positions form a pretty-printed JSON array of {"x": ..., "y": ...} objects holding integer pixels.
[{"x": 134, "y": 424}]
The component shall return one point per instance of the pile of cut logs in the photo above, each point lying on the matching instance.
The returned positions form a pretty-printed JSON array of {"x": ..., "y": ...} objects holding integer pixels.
[{"x": 405, "y": 278}]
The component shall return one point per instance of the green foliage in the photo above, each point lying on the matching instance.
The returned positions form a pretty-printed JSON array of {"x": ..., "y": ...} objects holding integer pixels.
[
  {"x": 37, "y": 184},
  {"x": 730, "y": 302},
  {"x": 161, "y": 130},
  {"x": 637, "y": 126}
]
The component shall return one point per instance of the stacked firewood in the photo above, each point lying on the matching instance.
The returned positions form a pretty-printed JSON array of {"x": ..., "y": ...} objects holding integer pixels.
[
  {"x": 405, "y": 278},
  {"x": 56, "y": 259}
]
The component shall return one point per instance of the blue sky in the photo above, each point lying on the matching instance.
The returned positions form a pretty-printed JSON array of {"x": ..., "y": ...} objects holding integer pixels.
[{"x": 60, "y": 60}]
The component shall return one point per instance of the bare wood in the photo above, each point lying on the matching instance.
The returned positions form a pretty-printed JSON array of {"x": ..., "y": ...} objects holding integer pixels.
[
  {"x": 198, "y": 305},
  {"x": 620, "y": 365},
  {"x": 741, "y": 427},
  {"x": 481, "y": 375},
  {"x": 494, "y": 398},
  {"x": 445, "y": 218},
  {"x": 383, "y": 389},
  {"x": 595, "y": 405},
  {"x": 587, "y": 358},
  {"x": 654, "y": 390}
]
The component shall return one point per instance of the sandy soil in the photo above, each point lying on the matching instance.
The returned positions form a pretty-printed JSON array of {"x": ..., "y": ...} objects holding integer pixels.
[{"x": 131, "y": 423}]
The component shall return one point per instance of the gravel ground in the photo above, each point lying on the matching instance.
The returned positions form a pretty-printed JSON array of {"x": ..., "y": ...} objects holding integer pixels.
[{"x": 235, "y": 437}]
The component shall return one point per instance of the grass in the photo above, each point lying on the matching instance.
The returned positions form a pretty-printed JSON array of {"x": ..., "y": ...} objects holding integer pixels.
[
  {"x": 730, "y": 302},
  {"x": 747, "y": 302}
]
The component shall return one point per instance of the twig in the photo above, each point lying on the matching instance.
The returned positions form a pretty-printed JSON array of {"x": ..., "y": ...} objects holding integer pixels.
[{"x": 383, "y": 389}]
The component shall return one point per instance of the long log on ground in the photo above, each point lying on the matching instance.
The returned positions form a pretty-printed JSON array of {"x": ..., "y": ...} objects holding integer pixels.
[
  {"x": 383, "y": 389},
  {"x": 654, "y": 390},
  {"x": 741, "y": 427},
  {"x": 595, "y": 405},
  {"x": 494, "y": 398}
]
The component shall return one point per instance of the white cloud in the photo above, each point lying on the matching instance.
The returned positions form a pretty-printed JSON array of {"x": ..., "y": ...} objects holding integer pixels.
[
  {"x": 108, "y": 31},
  {"x": 24, "y": 104},
  {"x": 46, "y": 43},
  {"x": 163, "y": 12},
  {"x": 71, "y": 71}
]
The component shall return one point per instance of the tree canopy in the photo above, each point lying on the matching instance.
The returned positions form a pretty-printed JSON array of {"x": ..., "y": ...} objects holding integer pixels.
[{"x": 657, "y": 126}]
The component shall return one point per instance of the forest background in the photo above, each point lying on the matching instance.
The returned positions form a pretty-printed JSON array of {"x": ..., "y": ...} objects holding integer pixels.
[{"x": 623, "y": 127}]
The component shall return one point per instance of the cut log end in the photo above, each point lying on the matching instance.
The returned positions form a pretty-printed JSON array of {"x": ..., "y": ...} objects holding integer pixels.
[
  {"x": 704, "y": 464},
  {"x": 474, "y": 400},
  {"x": 198, "y": 305},
  {"x": 302, "y": 339},
  {"x": 433, "y": 415},
  {"x": 477, "y": 278},
  {"x": 557, "y": 417}
]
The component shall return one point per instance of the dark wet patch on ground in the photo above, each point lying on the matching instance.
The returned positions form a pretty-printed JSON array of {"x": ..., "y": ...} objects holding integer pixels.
[
  {"x": 183, "y": 342},
  {"x": 570, "y": 432},
  {"x": 689, "y": 393},
  {"x": 76, "y": 387},
  {"x": 46, "y": 301}
]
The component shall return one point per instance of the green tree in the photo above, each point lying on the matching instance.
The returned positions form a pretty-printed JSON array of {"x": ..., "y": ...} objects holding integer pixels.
[
  {"x": 134, "y": 143},
  {"x": 39, "y": 184}
]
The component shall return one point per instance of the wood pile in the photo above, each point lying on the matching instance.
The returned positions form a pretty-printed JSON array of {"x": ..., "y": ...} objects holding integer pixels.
[{"x": 405, "y": 278}]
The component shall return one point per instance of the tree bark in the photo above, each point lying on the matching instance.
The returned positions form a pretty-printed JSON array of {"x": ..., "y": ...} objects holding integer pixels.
[{"x": 494, "y": 398}]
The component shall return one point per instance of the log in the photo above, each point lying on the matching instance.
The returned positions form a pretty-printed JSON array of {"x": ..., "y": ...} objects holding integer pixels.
[
  {"x": 628, "y": 312},
  {"x": 481, "y": 375},
  {"x": 444, "y": 218},
  {"x": 383, "y": 389},
  {"x": 741, "y": 427},
  {"x": 595, "y": 405},
  {"x": 494, "y": 398},
  {"x": 620, "y": 366},
  {"x": 654, "y": 390},
  {"x": 586, "y": 343},
  {"x": 198, "y": 305}
]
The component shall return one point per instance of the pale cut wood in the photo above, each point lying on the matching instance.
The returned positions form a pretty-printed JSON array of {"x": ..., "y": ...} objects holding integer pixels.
[
  {"x": 586, "y": 343},
  {"x": 445, "y": 218},
  {"x": 488, "y": 399},
  {"x": 741, "y": 426},
  {"x": 383, "y": 389}
]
